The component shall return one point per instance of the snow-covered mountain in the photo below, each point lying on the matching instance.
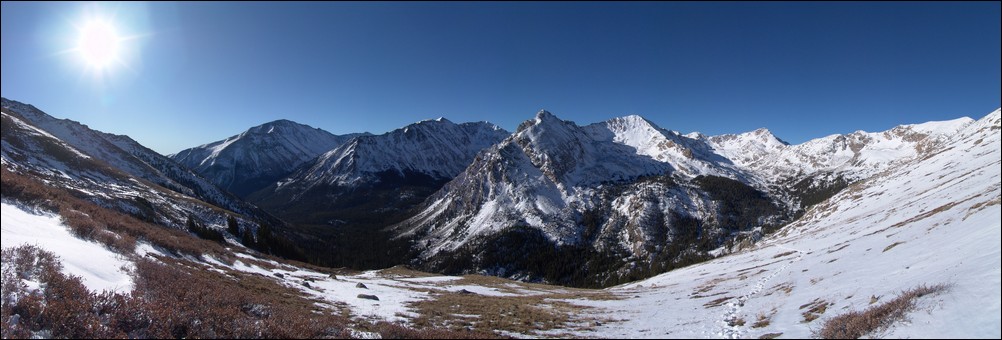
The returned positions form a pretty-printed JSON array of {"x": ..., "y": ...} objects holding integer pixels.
[
  {"x": 629, "y": 188},
  {"x": 112, "y": 170},
  {"x": 259, "y": 156},
  {"x": 624, "y": 188},
  {"x": 930, "y": 220},
  {"x": 606, "y": 202},
  {"x": 387, "y": 172},
  {"x": 853, "y": 156}
]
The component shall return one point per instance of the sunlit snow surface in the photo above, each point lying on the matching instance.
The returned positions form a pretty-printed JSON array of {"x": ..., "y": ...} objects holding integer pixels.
[
  {"x": 942, "y": 212},
  {"x": 99, "y": 268}
]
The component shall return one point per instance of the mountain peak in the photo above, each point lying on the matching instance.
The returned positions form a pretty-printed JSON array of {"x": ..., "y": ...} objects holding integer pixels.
[
  {"x": 436, "y": 120},
  {"x": 543, "y": 114},
  {"x": 280, "y": 123},
  {"x": 262, "y": 153}
]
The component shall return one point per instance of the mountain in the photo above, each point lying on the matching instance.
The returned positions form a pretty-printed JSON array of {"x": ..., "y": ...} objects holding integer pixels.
[
  {"x": 258, "y": 157},
  {"x": 856, "y": 155},
  {"x": 625, "y": 198},
  {"x": 616, "y": 198},
  {"x": 927, "y": 221},
  {"x": 813, "y": 170},
  {"x": 910, "y": 241},
  {"x": 114, "y": 171},
  {"x": 370, "y": 177}
]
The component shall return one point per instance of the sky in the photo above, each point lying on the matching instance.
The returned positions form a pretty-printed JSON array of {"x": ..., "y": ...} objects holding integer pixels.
[{"x": 184, "y": 74}]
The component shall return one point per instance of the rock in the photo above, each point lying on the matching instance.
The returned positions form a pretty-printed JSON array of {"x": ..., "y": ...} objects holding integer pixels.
[
  {"x": 361, "y": 285},
  {"x": 279, "y": 275},
  {"x": 466, "y": 292},
  {"x": 307, "y": 284},
  {"x": 256, "y": 310},
  {"x": 333, "y": 277},
  {"x": 368, "y": 297}
]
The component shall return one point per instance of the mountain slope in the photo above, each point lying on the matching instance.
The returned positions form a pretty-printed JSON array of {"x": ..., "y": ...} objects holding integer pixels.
[
  {"x": 629, "y": 198},
  {"x": 259, "y": 156},
  {"x": 114, "y": 171},
  {"x": 848, "y": 157},
  {"x": 385, "y": 174},
  {"x": 930, "y": 220},
  {"x": 622, "y": 196}
]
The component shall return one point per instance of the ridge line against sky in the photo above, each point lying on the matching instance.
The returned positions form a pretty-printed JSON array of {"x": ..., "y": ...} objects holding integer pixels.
[{"x": 186, "y": 74}]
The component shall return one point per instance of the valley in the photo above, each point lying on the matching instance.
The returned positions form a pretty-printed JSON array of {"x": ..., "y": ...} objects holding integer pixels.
[{"x": 614, "y": 229}]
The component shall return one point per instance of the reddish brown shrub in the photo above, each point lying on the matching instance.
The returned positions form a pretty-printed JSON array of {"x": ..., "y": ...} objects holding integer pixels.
[{"x": 856, "y": 324}]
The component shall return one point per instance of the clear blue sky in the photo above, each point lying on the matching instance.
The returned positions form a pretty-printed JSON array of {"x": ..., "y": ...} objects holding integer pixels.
[{"x": 199, "y": 72}]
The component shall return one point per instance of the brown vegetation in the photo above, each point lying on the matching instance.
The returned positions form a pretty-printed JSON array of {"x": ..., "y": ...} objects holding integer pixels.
[
  {"x": 814, "y": 309},
  {"x": 172, "y": 297},
  {"x": 856, "y": 324},
  {"x": 763, "y": 320},
  {"x": 87, "y": 220},
  {"x": 170, "y": 300},
  {"x": 530, "y": 308},
  {"x": 895, "y": 244}
]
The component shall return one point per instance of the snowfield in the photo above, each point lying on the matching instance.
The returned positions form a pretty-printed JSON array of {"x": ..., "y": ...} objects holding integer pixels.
[
  {"x": 99, "y": 268},
  {"x": 933, "y": 221}
]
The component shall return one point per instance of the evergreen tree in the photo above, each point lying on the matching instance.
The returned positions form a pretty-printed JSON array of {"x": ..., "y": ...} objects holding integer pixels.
[
  {"x": 247, "y": 239},
  {"x": 263, "y": 237},
  {"x": 232, "y": 226}
]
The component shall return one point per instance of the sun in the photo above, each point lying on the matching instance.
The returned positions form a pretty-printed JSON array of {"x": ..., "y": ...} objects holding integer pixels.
[{"x": 99, "y": 44}]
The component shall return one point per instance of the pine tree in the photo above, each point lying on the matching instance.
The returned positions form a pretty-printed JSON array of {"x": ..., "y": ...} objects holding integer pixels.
[
  {"x": 263, "y": 237},
  {"x": 232, "y": 226},
  {"x": 248, "y": 240}
]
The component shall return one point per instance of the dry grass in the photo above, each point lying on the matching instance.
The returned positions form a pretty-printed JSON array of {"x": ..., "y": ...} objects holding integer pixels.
[
  {"x": 535, "y": 308},
  {"x": 784, "y": 254},
  {"x": 980, "y": 206},
  {"x": 895, "y": 244},
  {"x": 853, "y": 325},
  {"x": 917, "y": 218},
  {"x": 814, "y": 309},
  {"x": 172, "y": 297},
  {"x": 709, "y": 285},
  {"x": 87, "y": 220},
  {"x": 839, "y": 248},
  {"x": 763, "y": 320},
  {"x": 718, "y": 302},
  {"x": 785, "y": 287},
  {"x": 770, "y": 335}
]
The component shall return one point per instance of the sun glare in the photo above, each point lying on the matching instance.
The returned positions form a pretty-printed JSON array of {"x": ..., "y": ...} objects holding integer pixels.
[{"x": 98, "y": 43}]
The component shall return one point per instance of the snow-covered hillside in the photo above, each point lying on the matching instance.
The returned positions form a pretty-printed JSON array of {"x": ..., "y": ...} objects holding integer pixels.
[
  {"x": 932, "y": 220},
  {"x": 114, "y": 171},
  {"x": 631, "y": 188},
  {"x": 853, "y": 156},
  {"x": 121, "y": 153},
  {"x": 259, "y": 156},
  {"x": 98, "y": 268},
  {"x": 624, "y": 188}
]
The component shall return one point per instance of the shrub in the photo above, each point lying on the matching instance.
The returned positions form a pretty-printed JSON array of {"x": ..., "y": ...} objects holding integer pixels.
[
  {"x": 88, "y": 220},
  {"x": 856, "y": 324}
]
